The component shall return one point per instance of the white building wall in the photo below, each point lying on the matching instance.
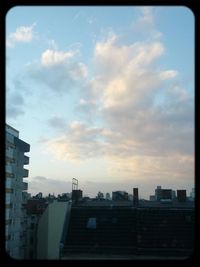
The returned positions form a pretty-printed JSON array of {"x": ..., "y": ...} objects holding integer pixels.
[
  {"x": 42, "y": 236},
  {"x": 50, "y": 229}
]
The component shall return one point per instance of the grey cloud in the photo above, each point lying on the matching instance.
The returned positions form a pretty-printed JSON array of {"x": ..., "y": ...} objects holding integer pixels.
[
  {"x": 57, "y": 122},
  {"x": 40, "y": 178},
  {"x": 13, "y": 112},
  {"x": 47, "y": 185},
  {"x": 15, "y": 100},
  {"x": 60, "y": 78},
  {"x": 156, "y": 131},
  {"x": 14, "y": 104}
]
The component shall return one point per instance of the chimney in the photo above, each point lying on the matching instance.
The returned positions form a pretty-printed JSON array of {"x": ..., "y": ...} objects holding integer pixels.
[{"x": 135, "y": 197}]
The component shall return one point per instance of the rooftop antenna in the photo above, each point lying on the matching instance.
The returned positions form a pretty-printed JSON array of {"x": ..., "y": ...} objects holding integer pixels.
[{"x": 74, "y": 184}]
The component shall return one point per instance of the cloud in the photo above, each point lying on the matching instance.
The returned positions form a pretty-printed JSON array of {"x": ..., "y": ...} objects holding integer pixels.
[
  {"x": 79, "y": 143},
  {"x": 58, "y": 70},
  {"x": 56, "y": 121},
  {"x": 135, "y": 115},
  {"x": 48, "y": 185},
  {"x": 52, "y": 57},
  {"x": 12, "y": 112},
  {"x": 23, "y": 34},
  {"x": 147, "y": 121},
  {"x": 145, "y": 24},
  {"x": 91, "y": 20},
  {"x": 15, "y": 100},
  {"x": 168, "y": 74},
  {"x": 40, "y": 178}
]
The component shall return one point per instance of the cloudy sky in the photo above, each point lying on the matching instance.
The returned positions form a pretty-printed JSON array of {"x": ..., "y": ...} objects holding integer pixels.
[{"x": 104, "y": 95}]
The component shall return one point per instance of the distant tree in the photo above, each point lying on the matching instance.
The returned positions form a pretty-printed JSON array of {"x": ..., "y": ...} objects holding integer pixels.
[{"x": 100, "y": 195}]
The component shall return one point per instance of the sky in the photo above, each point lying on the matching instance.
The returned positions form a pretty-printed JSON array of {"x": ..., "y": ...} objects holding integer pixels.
[{"x": 104, "y": 95}]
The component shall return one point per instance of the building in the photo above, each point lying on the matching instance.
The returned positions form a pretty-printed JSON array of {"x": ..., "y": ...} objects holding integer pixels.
[
  {"x": 158, "y": 192},
  {"x": 152, "y": 198},
  {"x": 108, "y": 196},
  {"x": 119, "y": 195},
  {"x": 181, "y": 195},
  {"x": 112, "y": 230},
  {"x": 192, "y": 194},
  {"x": 77, "y": 194},
  {"x": 15, "y": 232},
  {"x": 166, "y": 195},
  {"x": 50, "y": 228},
  {"x": 100, "y": 195},
  {"x": 34, "y": 207}
]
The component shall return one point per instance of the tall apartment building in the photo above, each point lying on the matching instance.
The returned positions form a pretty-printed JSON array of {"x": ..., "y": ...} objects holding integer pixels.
[{"x": 15, "y": 188}]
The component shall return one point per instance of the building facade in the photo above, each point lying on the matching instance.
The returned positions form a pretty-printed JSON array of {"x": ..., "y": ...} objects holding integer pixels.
[
  {"x": 15, "y": 215},
  {"x": 49, "y": 230}
]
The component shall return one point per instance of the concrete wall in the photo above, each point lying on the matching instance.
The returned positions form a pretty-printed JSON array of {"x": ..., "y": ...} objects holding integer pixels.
[
  {"x": 42, "y": 235},
  {"x": 50, "y": 229}
]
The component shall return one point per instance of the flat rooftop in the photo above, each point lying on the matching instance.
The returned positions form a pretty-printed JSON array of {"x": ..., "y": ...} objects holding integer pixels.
[{"x": 129, "y": 204}]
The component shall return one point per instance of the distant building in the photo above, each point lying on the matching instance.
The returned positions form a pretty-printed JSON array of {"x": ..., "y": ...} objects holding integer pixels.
[
  {"x": 119, "y": 195},
  {"x": 181, "y": 195},
  {"x": 152, "y": 198},
  {"x": 173, "y": 194},
  {"x": 166, "y": 194},
  {"x": 130, "y": 197},
  {"x": 64, "y": 197},
  {"x": 108, "y": 196},
  {"x": 158, "y": 193},
  {"x": 77, "y": 194},
  {"x": 35, "y": 207},
  {"x": 100, "y": 195},
  {"x": 39, "y": 195},
  {"x": 15, "y": 232},
  {"x": 135, "y": 197},
  {"x": 192, "y": 194}
]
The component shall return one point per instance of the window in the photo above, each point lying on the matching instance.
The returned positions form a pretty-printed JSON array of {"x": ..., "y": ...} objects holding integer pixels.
[
  {"x": 114, "y": 220},
  {"x": 31, "y": 240},
  {"x": 91, "y": 223}
]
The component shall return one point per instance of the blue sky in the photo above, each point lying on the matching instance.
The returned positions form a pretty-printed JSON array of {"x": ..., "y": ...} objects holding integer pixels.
[{"x": 103, "y": 94}]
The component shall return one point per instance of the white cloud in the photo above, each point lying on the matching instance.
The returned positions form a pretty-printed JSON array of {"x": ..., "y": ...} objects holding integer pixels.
[
  {"x": 138, "y": 137},
  {"x": 145, "y": 24},
  {"x": 168, "y": 74},
  {"x": 22, "y": 34},
  {"x": 58, "y": 70},
  {"x": 79, "y": 71},
  {"x": 53, "y": 57},
  {"x": 80, "y": 142}
]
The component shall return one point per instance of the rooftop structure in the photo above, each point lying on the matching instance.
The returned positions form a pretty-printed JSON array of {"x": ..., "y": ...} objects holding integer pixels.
[{"x": 115, "y": 230}]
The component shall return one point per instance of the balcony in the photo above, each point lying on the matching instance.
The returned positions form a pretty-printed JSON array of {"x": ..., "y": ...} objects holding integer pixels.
[
  {"x": 24, "y": 186},
  {"x": 25, "y": 173},
  {"x": 9, "y": 169},
  {"x": 9, "y": 153},
  {"x": 26, "y": 160},
  {"x": 8, "y": 183}
]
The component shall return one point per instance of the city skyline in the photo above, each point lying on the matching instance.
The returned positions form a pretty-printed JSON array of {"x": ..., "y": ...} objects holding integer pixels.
[{"x": 105, "y": 100}]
